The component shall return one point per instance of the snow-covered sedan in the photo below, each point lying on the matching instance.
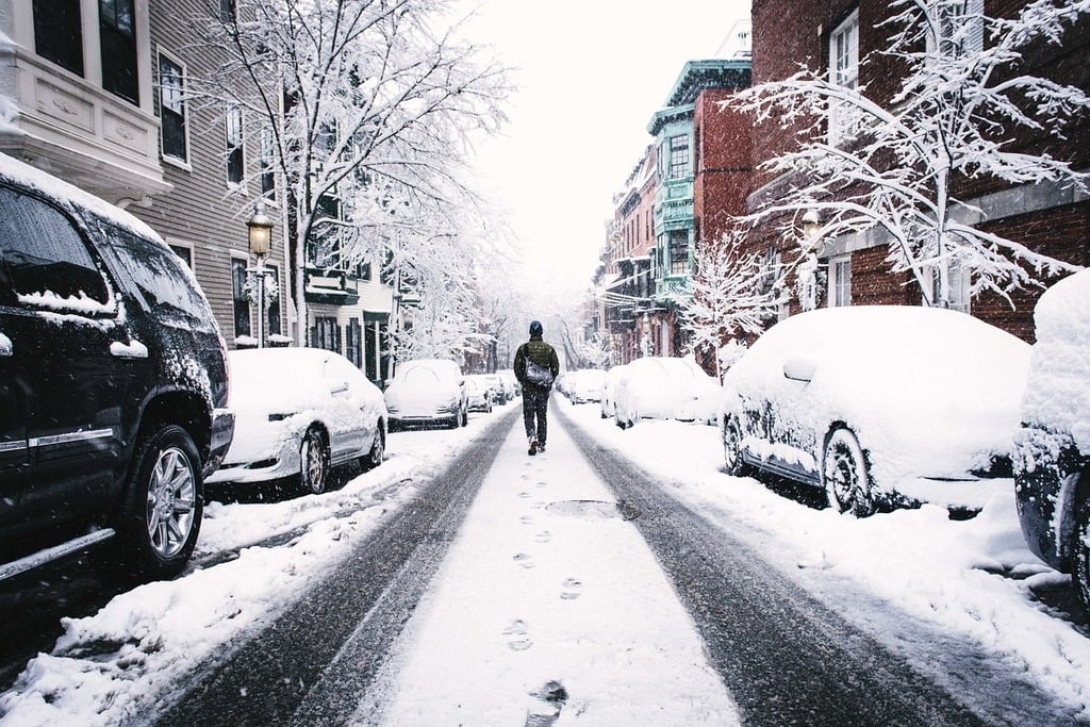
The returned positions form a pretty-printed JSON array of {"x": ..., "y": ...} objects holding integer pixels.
[
  {"x": 664, "y": 387},
  {"x": 426, "y": 392},
  {"x": 878, "y": 405},
  {"x": 1052, "y": 459},
  {"x": 298, "y": 412}
]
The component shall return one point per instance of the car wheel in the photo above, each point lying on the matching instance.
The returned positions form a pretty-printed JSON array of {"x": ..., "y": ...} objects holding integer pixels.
[
  {"x": 1080, "y": 552},
  {"x": 163, "y": 503},
  {"x": 378, "y": 451},
  {"x": 844, "y": 474},
  {"x": 732, "y": 448},
  {"x": 313, "y": 463}
]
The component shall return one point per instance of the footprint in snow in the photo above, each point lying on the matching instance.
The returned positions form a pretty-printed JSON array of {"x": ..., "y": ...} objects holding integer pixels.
[
  {"x": 543, "y": 537},
  {"x": 573, "y": 589},
  {"x": 519, "y": 630},
  {"x": 525, "y": 560},
  {"x": 526, "y": 520}
]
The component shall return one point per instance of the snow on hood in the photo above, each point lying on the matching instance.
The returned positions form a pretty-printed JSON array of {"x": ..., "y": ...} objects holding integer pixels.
[{"x": 1058, "y": 393}]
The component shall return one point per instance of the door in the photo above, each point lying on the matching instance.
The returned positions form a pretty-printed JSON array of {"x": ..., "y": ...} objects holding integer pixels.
[{"x": 62, "y": 325}]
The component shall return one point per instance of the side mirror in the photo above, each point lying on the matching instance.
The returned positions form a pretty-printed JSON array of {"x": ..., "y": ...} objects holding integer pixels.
[
  {"x": 799, "y": 367},
  {"x": 338, "y": 387}
]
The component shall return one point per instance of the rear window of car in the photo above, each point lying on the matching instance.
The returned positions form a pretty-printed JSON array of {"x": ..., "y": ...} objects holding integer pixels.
[{"x": 44, "y": 259}]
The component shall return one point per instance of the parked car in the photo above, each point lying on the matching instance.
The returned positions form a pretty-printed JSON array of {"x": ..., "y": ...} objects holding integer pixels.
[
  {"x": 663, "y": 387},
  {"x": 113, "y": 383},
  {"x": 495, "y": 386},
  {"x": 1052, "y": 457},
  {"x": 479, "y": 393},
  {"x": 427, "y": 392},
  {"x": 511, "y": 387},
  {"x": 299, "y": 412},
  {"x": 879, "y": 406},
  {"x": 609, "y": 390},
  {"x": 585, "y": 385}
]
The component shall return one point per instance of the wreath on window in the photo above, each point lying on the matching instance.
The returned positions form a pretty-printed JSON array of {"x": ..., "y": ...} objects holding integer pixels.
[{"x": 272, "y": 288}]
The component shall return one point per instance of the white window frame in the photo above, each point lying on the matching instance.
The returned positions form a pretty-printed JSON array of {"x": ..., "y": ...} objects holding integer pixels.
[
  {"x": 234, "y": 122},
  {"x": 840, "y": 281},
  {"x": 181, "y": 100},
  {"x": 959, "y": 282},
  {"x": 844, "y": 72},
  {"x": 949, "y": 23}
]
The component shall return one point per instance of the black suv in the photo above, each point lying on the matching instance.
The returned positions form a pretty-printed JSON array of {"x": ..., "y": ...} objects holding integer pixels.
[{"x": 113, "y": 382}]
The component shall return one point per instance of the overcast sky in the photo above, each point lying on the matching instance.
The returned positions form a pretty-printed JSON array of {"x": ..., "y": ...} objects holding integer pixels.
[{"x": 590, "y": 73}]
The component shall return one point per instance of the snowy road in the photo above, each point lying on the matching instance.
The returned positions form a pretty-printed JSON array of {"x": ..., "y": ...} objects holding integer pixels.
[
  {"x": 577, "y": 590},
  {"x": 550, "y": 608}
]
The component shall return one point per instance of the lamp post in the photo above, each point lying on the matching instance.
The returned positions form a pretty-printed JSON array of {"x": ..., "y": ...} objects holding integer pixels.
[{"x": 260, "y": 237}]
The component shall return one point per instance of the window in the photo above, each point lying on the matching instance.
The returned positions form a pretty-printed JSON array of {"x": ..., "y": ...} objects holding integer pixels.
[
  {"x": 228, "y": 11},
  {"x": 680, "y": 158},
  {"x": 185, "y": 253},
  {"x": 268, "y": 175},
  {"x": 326, "y": 334},
  {"x": 58, "y": 33},
  {"x": 840, "y": 282},
  {"x": 679, "y": 252},
  {"x": 172, "y": 109},
  {"x": 273, "y": 299},
  {"x": 960, "y": 297},
  {"x": 239, "y": 297},
  {"x": 843, "y": 71},
  {"x": 117, "y": 36},
  {"x": 960, "y": 29},
  {"x": 44, "y": 257},
  {"x": 354, "y": 340},
  {"x": 235, "y": 162}
]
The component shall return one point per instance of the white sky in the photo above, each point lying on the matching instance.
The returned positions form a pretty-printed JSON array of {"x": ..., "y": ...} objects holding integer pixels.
[{"x": 590, "y": 76}]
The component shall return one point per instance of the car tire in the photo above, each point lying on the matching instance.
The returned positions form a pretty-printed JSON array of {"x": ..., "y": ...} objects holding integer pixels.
[
  {"x": 732, "y": 448},
  {"x": 1080, "y": 550},
  {"x": 313, "y": 463},
  {"x": 845, "y": 474},
  {"x": 163, "y": 505},
  {"x": 377, "y": 453}
]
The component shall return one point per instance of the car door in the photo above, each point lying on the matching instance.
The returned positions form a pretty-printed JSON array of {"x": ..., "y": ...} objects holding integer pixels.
[
  {"x": 14, "y": 450},
  {"x": 62, "y": 321},
  {"x": 347, "y": 427}
]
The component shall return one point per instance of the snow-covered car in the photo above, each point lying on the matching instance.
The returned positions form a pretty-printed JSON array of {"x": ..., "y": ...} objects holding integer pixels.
[
  {"x": 427, "y": 392},
  {"x": 511, "y": 387},
  {"x": 1052, "y": 455},
  {"x": 609, "y": 390},
  {"x": 664, "y": 387},
  {"x": 299, "y": 412},
  {"x": 479, "y": 393},
  {"x": 113, "y": 383},
  {"x": 585, "y": 385},
  {"x": 880, "y": 406}
]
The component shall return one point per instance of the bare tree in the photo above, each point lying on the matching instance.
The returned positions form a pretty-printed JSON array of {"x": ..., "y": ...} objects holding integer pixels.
[
  {"x": 733, "y": 294},
  {"x": 894, "y": 168},
  {"x": 377, "y": 98}
]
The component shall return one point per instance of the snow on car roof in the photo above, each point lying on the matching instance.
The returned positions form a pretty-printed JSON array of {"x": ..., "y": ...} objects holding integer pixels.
[{"x": 65, "y": 193}]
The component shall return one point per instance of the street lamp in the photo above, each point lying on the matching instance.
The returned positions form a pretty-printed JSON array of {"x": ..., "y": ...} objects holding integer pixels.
[
  {"x": 260, "y": 236},
  {"x": 811, "y": 224}
]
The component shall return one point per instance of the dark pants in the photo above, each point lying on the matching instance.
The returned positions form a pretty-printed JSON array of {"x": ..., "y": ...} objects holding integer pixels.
[{"x": 535, "y": 403}]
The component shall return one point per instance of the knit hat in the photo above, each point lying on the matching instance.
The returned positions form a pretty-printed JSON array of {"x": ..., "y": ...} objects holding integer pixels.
[{"x": 535, "y": 328}]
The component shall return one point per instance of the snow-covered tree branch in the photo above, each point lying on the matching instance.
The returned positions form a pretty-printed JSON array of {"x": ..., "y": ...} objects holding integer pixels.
[{"x": 900, "y": 167}]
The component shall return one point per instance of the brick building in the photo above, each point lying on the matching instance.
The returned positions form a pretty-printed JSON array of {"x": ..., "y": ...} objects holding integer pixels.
[{"x": 838, "y": 34}]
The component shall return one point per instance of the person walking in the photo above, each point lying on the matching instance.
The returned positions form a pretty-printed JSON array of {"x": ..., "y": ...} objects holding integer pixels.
[{"x": 536, "y": 367}]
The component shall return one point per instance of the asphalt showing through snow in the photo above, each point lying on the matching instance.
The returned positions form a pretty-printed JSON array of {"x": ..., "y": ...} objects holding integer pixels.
[
  {"x": 784, "y": 656},
  {"x": 332, "y": 642}
]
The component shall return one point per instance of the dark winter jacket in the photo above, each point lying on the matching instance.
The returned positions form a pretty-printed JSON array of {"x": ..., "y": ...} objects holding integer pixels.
[{"x": 542, "y": 354}]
